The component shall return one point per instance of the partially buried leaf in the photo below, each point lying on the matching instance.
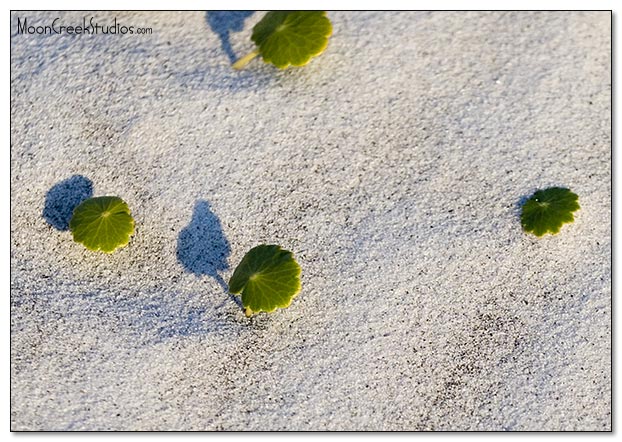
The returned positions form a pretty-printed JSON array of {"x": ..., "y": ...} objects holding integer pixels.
[
  {"x": 268, "y": 278},
  {"x": 547, "y": 210},
  {"x": 102, "y": 223}
]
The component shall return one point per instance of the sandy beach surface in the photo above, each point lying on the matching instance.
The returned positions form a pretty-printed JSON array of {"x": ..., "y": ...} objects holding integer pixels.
[{"x": 393, "y": 166}]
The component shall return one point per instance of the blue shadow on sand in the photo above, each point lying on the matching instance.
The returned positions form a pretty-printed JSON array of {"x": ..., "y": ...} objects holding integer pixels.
[
  {"x": 202, "y": 247},
  {"x": 63, "y": 197},
  {"x": 222, "y": 23},
  {"x": 518, "y": 206}
]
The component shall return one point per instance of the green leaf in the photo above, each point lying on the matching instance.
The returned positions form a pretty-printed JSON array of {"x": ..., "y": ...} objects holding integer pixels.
[
  {"x": 268, "y": 277},
  {"x": 286, "y": 38},
  {"x": 102, "y": 223},
  {"x": 547, "y": 210}
]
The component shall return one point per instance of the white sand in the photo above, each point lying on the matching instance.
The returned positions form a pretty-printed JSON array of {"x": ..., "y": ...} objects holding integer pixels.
[{"x": 392, "y": 166}]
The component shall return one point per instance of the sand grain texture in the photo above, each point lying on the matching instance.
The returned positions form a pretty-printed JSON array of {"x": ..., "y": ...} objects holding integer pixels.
[{"x": 393, "y": 166}]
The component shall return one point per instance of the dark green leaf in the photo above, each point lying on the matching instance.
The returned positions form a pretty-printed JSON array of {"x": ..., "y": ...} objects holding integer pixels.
[{"x": 547, "y": 210}]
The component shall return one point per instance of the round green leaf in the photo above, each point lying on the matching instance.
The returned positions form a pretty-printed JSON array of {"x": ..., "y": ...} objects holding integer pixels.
[
  {"x": 268, "y": 277},
  {"x": 102, "y": 223},
  {"x": 292, "y": 37},
  {"x": 547, "y": 210}
]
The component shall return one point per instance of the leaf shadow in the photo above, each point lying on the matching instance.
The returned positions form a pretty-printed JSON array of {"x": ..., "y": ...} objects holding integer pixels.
[
  {"x": 518, "y": 206},
  {"x": 224, "y": 22},
  {"x": 202, "y": 247},
  {"x": 63, "y": 198}
]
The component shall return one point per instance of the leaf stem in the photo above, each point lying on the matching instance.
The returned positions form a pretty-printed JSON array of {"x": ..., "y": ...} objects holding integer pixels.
[{"x": 245, "y": 60}]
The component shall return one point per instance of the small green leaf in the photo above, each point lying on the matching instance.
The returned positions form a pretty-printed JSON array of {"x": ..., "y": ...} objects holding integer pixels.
[
  {"x": 268, "y": 277},
  {"x": 102, "y": 223},
  {"x": 286, "y": 38},
  {"x": 547, "y": 210}
]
